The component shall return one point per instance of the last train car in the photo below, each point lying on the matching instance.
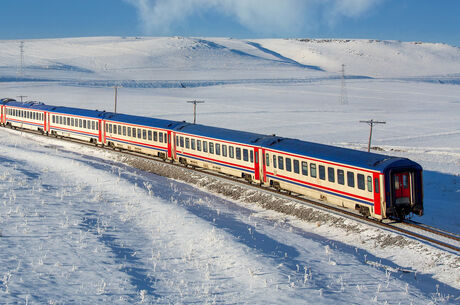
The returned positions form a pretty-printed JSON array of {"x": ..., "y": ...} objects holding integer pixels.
[{"x": 376, "y": 185}]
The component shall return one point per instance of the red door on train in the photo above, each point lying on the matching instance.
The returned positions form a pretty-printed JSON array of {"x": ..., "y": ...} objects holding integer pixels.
[
  {"x": 402, "y": 187},
  {"x": 256, "y": 164},
  {"x": 170, "y": 141}
]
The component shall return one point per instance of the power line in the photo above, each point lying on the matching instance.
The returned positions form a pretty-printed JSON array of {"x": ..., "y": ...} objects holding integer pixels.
[{"x": 371, "y": 123}]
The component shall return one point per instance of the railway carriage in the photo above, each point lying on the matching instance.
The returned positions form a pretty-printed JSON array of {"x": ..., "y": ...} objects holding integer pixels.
[
  {"x": 376, "y": 185},
  {"x": 146, "y": 135},
  {"x": 76, "y": 123},
  {"x": 223, "y": 150}
]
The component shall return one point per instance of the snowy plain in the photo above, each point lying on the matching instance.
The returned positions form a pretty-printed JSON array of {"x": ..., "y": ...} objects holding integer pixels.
[{"x": 85, "y": 228}]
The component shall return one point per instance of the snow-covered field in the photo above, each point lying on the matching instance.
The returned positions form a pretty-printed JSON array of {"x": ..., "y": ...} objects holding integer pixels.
[{"x": 85, "y": 228}]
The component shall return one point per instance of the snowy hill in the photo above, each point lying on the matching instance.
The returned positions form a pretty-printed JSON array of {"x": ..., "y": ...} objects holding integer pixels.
[{"x": 145, "y": 58}]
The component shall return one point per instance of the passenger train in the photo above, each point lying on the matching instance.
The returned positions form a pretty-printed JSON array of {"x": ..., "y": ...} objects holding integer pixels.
[{"x": 375, "y": 185}]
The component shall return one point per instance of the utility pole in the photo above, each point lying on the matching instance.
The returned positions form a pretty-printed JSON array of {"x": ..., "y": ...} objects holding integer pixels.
[
  {"x": 22, "y": 96},
  {"x": 21, "y": 53},
  {"x": 371, "y": 123},
  {"x": 194, "y": 108},
  {"x": 343, "y": 92},
  {"x": 116, "y": 97}
]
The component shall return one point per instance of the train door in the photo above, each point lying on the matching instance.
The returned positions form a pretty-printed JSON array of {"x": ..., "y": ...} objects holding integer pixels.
[
  {"x": 48, "y": 120},
  {"x": 170, "y": 141},
  {"x": 44, "y": 122},
  {"x": 377, "y": 202},
  {"x": 402, "y": 188},
  {"x": 264, "y": 166},
  {"x": 99, "y": 122},
  {"x": 256, "y": 164}
]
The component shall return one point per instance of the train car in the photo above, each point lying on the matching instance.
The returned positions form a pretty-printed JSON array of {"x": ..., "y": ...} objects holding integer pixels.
[
  {"x": 376, "y": 185},
  {"x": 81, "y": 124},
  {"x": 29, "y": 115},
  {"x": 227, "y": 151},
  {"x": 141, "y": 134}
]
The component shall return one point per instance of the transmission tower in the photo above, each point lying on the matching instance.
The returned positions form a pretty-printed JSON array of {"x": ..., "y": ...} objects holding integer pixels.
[
  {"x": 343, "y": 92},
  {"x": 21, "y": 53}
]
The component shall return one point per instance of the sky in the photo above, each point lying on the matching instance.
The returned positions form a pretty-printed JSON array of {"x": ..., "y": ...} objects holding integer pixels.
[{"x": 405, "y": 20}]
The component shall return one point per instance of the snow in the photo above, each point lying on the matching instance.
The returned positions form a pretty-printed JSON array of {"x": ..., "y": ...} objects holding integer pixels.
[{"x": 87, "y": 228}]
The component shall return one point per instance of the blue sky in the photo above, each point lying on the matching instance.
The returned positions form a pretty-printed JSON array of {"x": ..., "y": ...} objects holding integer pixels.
[{"x": 406, "y": 20}]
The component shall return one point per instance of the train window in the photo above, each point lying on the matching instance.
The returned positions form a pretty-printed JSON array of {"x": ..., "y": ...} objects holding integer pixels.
[
  {"x": 80, "y": 122},
  {"x": 376, "y": 185},
  {"x": 224, "y": 150},
  {"x": 274, "y": 161},
  {"x": 330, "y": 174},
  {"x": 205, "y": 146},
  {"x": 322, "y": 172},
  {"x": 68, "y": 121},
  {"x": 218, "y": 149},
  {"x": 280, "y": 162},
  {"x": 251, "y": 156},
  {"x": 150, "y": 135},
  {"x": 288, "y": 165},
  {"x": 296, "y": 167},
  {"x": 211, "y": 147},
  {"x": 198, "y": 145},
  {"x": 369, "y": 183},
  {"x": 245, "y": 155},
  {"x": 350, "y": 179},
  {"x": 361, "y": 184},
  {"x": 84, "y": 124},
  {"x": 160, "y": 137},
  {"x": 304, "y": 168},
  {"x": 155, "y": 136},
  {"x": 187, "y": 143},
  {"x": 405, "y": 184},
  {"x": 181, "y": 141},
  {"x": 397, "y": 182},
  {"x": 134, "y": 132},
  {"x": 231, "y": 152},
  {"x": 257, "y": 157},
  {"x": 72, "y": 122},
  {"x": 97, "y": 125},
  {"x": 139, "y": 133},
  {"x": 34, "y": 115},
  {"x": 109, "y": 129},
  {"x": 119, "y": 128},
  {"x": 313, "y": 170},
  {"x": 144, "y": 134},
  {"x": 124, "y": 130},
  {"x": 166, "y": 137},
  {"x": 238, "y": 153},
  {"x": 267, "y": 159},
  {"x": 340, "y": 177},
  {"x": 193, "y": 144},
  {"x": 54, "y": 119}
]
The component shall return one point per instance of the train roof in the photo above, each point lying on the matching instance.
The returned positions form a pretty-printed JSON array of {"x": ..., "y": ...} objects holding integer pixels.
[
  {"x": 363, "y": 159},
  {"x": 140, "y": 120},
  {"x": 371, "y": 161},
  {"x": 242, "y": 137}
]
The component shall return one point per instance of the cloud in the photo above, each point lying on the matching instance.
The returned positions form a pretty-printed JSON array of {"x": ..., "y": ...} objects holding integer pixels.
[{"x": 267, "y": 17}]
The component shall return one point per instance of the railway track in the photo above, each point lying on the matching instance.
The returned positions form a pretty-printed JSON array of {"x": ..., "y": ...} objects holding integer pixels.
[{"x": 445, "y": 239}]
